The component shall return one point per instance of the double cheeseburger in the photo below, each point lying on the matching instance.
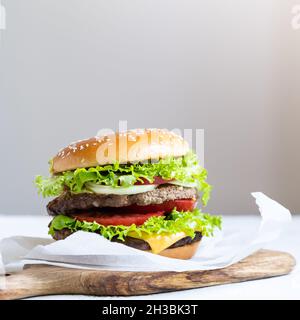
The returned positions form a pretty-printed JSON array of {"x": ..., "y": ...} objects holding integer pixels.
[{"x": 139, "y": 188}]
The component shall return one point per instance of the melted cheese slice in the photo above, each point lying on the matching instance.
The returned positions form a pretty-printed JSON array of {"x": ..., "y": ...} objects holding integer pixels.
[{"x": 160, "y": 242}]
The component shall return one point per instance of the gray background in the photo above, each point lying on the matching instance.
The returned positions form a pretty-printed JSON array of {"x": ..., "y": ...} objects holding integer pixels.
[{"x": 71, "y": 67}]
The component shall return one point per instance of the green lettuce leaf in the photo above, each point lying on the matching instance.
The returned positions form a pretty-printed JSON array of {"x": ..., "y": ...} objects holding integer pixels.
[
  {"x": 187, "y": 222},
  {"x": 185, "y": 169}
]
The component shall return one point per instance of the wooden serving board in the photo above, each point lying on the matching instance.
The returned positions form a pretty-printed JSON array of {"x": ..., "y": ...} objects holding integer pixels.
[{"x": 38, "y": 280}]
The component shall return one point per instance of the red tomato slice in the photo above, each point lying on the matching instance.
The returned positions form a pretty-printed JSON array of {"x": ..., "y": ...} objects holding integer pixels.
[
  {"x": 127, "y": 219},
  {"x": 157, "y": 180},
  {"x": 135, "y": 214}
]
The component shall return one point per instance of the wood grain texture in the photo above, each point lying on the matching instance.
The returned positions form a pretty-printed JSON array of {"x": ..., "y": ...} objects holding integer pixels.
[{"x": 38, "y": 280}]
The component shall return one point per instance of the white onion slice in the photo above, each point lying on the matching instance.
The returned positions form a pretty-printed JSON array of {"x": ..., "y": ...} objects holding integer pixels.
[
  {"x": 184, "y": 184},
  {"x": 101, "y": 189}
]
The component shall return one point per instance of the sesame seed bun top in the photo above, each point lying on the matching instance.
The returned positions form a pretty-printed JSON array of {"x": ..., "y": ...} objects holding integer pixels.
[{"x": 124, "y": 147}]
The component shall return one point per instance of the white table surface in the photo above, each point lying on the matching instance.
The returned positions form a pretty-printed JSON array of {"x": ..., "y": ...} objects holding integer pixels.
[{"x": 285, "y": 287}]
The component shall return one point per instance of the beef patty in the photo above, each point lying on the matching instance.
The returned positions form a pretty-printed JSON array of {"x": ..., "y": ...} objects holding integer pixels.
[
  {"x": 70, "y": 203},
  {"x": 133, "y": 242}
]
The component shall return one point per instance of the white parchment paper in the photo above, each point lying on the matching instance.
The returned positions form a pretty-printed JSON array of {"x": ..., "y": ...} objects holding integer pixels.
[{"x": 88, "y": 250}]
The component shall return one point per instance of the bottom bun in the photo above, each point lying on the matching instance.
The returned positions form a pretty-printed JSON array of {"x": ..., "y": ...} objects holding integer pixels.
[{"x": 184, "y": 252}]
